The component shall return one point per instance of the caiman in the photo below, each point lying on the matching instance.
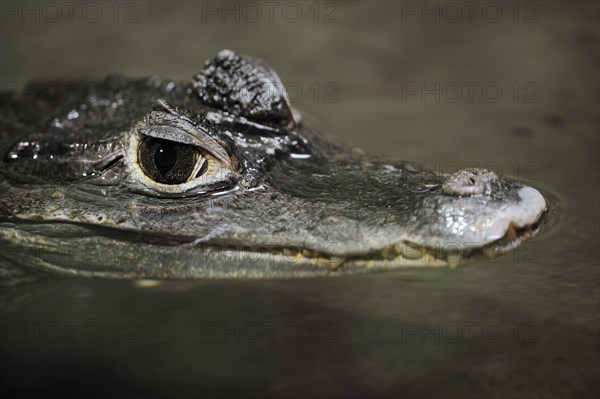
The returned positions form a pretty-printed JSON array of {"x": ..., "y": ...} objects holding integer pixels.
[{"x": 219, "y": 177}]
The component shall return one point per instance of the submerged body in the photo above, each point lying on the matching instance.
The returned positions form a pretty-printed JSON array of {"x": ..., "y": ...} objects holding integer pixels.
[{"x": 220, "y": 177}]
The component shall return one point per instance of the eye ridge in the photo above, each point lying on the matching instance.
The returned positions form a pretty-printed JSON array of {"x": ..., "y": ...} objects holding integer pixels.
[{"x": 167, "y": 162}]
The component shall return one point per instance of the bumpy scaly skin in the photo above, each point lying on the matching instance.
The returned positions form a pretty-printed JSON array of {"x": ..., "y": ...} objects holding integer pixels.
[{"x": 287, "y": 202}]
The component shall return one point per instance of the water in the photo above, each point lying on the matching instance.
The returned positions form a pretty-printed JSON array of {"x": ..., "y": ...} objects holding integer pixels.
[{"x": 528, "y": 322}]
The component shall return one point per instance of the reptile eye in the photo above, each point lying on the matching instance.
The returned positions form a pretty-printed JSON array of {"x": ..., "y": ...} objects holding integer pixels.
[
  {"x": 169, "y": 162},
  {"x": 172, "y": 156}
]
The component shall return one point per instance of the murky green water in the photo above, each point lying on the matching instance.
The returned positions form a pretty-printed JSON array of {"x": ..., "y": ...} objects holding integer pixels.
[{"x": 519, "y": 95}]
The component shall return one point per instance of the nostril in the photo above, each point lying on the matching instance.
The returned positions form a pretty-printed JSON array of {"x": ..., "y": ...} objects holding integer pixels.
[{"x": 471, "y": 181}]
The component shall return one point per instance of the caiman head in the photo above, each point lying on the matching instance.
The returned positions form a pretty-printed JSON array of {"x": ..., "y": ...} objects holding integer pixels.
[{"x": 220, "y": 177}]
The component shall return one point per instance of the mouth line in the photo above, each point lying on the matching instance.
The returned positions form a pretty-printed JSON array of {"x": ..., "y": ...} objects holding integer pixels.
[
  {"x": 401, "y": 254},
  {"x": 398, "y": 255}
]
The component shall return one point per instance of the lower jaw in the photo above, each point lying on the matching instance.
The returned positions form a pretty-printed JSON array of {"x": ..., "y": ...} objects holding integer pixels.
[{"x": 169, "y": 262}]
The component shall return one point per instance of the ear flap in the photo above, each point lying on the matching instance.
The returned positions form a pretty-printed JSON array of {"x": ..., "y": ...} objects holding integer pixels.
[{"x": 245, "y": 87}]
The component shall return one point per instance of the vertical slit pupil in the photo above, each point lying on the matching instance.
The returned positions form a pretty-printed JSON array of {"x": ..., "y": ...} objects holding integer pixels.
[
  {"x": 165, "y": 158},
  {"x": 167, "y": 162}
]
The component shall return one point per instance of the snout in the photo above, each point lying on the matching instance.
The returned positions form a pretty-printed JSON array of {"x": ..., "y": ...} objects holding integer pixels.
[{"x": 477, "y": 207}]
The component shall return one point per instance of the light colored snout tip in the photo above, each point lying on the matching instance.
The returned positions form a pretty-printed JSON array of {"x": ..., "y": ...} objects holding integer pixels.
[
  {"x": 525, "y": 213},
  {"x": 531, "y": 208}
]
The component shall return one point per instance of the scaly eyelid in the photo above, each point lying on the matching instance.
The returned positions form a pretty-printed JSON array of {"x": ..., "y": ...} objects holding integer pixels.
[{"x": 192, "y": 136}]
